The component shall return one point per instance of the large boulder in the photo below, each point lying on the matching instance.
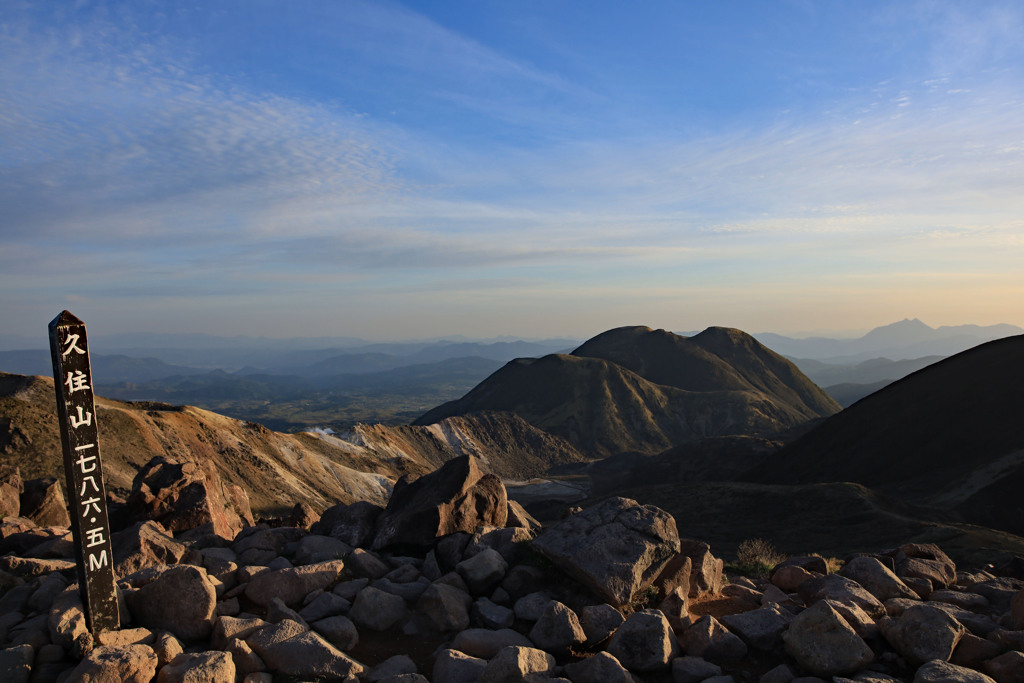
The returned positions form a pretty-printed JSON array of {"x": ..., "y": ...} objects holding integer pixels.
[
  {"x": 147, "y": 544},
  {"x": 823, "y": 643},
  {"x": 180, "y": 600},
  {"x": 456, "y": 497},
  {"x": 616, "y": 548},
  {"x": 923, "y": 633},
  {"x": 645, "y": 642},
  {"x": 924, "y": 561},
  {"x": 876, "y": 579},
  {"x": 184, "y": 496},
  {"x": 43, "y": 502},
  {"x": 353, "y": 524}
]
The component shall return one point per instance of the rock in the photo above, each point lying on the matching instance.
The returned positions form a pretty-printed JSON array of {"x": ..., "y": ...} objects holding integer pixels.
[
  {"x": 779, "y": 674},
  {"x": 445, "y": 607},
  {"x": 789, "y": 578},
  {"x": 1007, "y": 667},
  {"x": 519, "y": 518},
  {"x": 364, "y": 563},
  {"x": 484, "y": 643},
  {"x": 339, "y": 631},
  {"x": 876, "y": 579},
  {"x": 245, "y": 660},
  {"x": 307, "y": 654},
  {"x": 147, "y": 544},
  {"x": 676, "y": 574},
  {"x": 675, "y": 607},
  {"x": 693, "y": 670},
  {"x": 706, "y": 570},
  {"x": 1017, "y": 611},
  {"x": 616, "y": 548},
  {"x": 531, "y": 606},
  {"x": 392, "y": 666},
  {"x": 923, "y": 633},
  {"x": 323, "y": 606},
  {"x": 293, "y": 584},
  {"x": 26, "y": 567},
  {"x": 761, "y": 628},
  {"x": 377, "y": 610},
  {"x": 707, "y": 638},
  {"x": 599, "y": 622},
  {"x": 490, "y": 615},
  {"x": 822, "y": 642},
  {"x": 644, "y": 642},
  {"x": 600, "y": 668},
  {"x": 277, "y": 612},
  {"x": 313, "y": 549},
  {"x": 179, "y": 600},
  {"x": 483, "y": 571},
  {"x": 456, "y": 497},
  {"x": 939, "y": 671},
  {"x": 10, "y": 492},
  {"x": 127, "y": 636},
  {"x": 841, "y": 589},
  {"x": 132, "y": 664},
  {"x": 973, "y": 651},
  {"x": 43, "y": 503},
  {"x": 166, "y": 647},
  {"x": 226, "y": 628},
  {"x": 208, "y": 667},
  {"x": 66, "y": 621},
  {"x": 184, "y": 496},
  {"x": 302, "y": 516},
  {"x": 16, "y": 663},
  {"x": 925, "y": 561},
  {"x": 452, "y": 666},
  {"x": 557, "y": 630},
  {"x": 514, "y": 663},
  {"x": 352, "y": 524}
]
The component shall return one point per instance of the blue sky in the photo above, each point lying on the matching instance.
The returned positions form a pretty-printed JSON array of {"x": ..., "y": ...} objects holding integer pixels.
[{"x": 535, "y": 168}]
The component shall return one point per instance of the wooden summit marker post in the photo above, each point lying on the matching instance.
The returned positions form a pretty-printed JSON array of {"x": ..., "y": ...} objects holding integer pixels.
[{"x": 76, "y": 411}]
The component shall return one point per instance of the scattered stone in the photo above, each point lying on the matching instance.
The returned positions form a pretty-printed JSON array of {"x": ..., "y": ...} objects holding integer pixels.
[
  {"x": 761, "y": 628},
  {"x": 1008, "y": 667},
  {"x": 483, "y": 571},
  {"x": 208, "y": 667},
  {"x": 42, "y": 502},
  {"x": 616, "y": 548},
  {"x": 456, "y": 497},
  {"x": 558, "y": 629},
  {"x": 940, "y": 671},
  {"x": 166, "y": 647},
  {"x": 599, "y": 622},
  {"x": 823, "y": 643},
  {"x": 484, "y": 643},
  {"x": 706, "y": 573},
  {"x": 302, "y": 516},
  {"x": 531, "y": 606},
  {"x": 314, "y": 548},
  {"x": 493, "y": 616},
  {"x": 513, "y": 664},
  {"x": 876, "y": 579},
  {"x": 323, "y": 606},
  {"x": 308, "y": 654},
  {"x": 393, "y": 666},
  {"x": 179, "y": 600},
  {"x": 147, "y": 544},
  {"x": 925, "y": 561},
  {"x": 644, "y": 642},
  {"x": 293, "y": 584},
  {"x": 923, "y": 633},
  {"x": 841, "y": 589},
  {"x": 366, "y": 564},
  {"x": 707, "y": 638},
  {"x": 339, "y": 630},
  {"x": 16, "y": 663},
  {"x": 453, "y": 666},
  {"x": 352, "y": 524},
  {"x": 693, "y": 670},
  {"x": 446, "y": 607},
  {"x": 790, "y": 577},
  {"x": 377, "y": 610},
  {"x": 132, "y": 664}
]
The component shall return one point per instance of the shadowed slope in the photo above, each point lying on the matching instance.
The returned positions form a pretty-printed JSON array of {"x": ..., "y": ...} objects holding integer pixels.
[{"x": 948, "y": 435}]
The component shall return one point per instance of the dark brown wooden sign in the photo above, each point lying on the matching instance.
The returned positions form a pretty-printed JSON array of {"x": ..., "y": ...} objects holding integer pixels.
[{"x": 72, "y": 378}]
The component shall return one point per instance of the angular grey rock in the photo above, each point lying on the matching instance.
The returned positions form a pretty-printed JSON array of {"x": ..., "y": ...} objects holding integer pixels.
[
  {"x": 179, "y": 600},
  {"x": 876, "y": 579},
  {"x": 392, "y": 666},
  {"x": 293, "y": 584},
  {"x": 940, "y": 671},
  {"x": 531, "y": 606},
  {"x": 923, "y": 633},
  {"x": 1008, "y": 666},
  {"x": 644, "y": 642},
  {"x": 132, "y": 664},
  {"x": 66, "y": 621},
  {"x": 599, "y": 668},
  {"x": 483, "y": 571},
  {"x": 706, "y": 573},
  {"x": 558, "y": 629},
  {"x": 514, "y": 663},
  {"x": 16, "y": 663},
  {"x": 925, "y": 561},
  {"x": 1017, "y": 610},
  {"x": 366, "y": 563},
  {"x": 707, "y": 638},
  {"x": 490, "y": 615},
  {"x": 246, "y": 661},
  {"x": 616, "y": 548},
  {"x": 456, "y": 497},
  {"x": 352, "y": 524},
  {"x": 377, "y": 610},
  {"x": 226, "y": 628},
  {"x": 675, "y": 607},
  {"x": 484, "y": 643},
  {"x": 309, "y": 654},
  {"x": 209, "y": 667},
  {"x": 42, "y": 501},
  {"x": 453, "y": 666},
  {"x": 761, "y": 628},
  {"x": 323, "y": 606},
  {"x": 277, "y": 612},
  {"x": 339, "y": 631},
  {"x": 147, "y": 544},
  {"x": 445, "y": 607},
  {"x": 693, "y": 669},
  {"x": 314, "y": 548},
  {"x": 599, "y": 622},
  {"x": 821, "y": 642},
  {"x": 841, "y": 589}
]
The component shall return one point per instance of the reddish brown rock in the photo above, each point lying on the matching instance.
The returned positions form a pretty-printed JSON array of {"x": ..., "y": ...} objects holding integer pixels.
[
  {"x": 924, "y": 561},
  {"x": 10, "y": 492},
  {"x": 706, "y": 569},
  {"x": 352, "y": 524},
  {"x": 147, "y": 544},
  {"x": 43, "y": 503},
  {"x": 456, "y": 497},
  {"x": 184, "y": 496},
  {"x": 303, "y": 516}
]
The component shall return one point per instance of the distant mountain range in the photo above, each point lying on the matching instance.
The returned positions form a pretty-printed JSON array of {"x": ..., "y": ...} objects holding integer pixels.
[{"x": 634, "y": 389}]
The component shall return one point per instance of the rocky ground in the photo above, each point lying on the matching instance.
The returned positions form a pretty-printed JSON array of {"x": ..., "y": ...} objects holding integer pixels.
[{"x": 452, "y": 582}]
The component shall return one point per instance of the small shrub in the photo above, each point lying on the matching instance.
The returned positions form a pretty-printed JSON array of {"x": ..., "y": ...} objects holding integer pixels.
[{"x": 756, "y": 557}]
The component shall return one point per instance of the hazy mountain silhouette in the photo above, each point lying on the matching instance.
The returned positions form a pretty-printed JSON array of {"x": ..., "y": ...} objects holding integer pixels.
[{"x": 634, "y": 389}]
